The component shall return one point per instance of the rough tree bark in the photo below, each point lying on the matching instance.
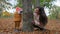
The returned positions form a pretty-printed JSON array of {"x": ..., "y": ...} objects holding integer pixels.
[{"x": 27, "y": 15}]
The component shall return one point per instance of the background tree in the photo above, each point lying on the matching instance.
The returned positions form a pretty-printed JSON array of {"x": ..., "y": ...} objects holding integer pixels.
[
  {"x": 19, "y": 3},
  {"x": 4, "y": 4},
  {"x": 54, "y": 12}
]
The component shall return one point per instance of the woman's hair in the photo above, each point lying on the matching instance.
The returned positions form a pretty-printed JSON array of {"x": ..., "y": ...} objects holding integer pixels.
[{"x": 43, "y": 17}]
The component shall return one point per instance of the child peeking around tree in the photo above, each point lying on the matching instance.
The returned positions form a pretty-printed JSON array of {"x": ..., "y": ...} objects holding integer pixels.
[{"x": 17, "y": 18}]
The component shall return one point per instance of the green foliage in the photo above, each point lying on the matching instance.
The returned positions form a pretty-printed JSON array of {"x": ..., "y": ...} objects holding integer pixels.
[
  {"x": 54, "y": 12},
  {"x": 19, "y": 3},
  {"x": 3, "y": 5},
  {"x": 46, "y": 3}
]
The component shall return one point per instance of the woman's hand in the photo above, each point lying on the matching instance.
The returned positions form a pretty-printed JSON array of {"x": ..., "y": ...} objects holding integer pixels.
[{"x": 41, "y": 25}]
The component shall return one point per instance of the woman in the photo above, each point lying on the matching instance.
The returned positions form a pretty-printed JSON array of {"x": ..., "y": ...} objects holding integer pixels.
[{"x": 40, "y": 18}]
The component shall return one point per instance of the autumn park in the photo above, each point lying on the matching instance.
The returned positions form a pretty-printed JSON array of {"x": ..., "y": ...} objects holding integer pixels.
[{"x": 18, "y": 17}]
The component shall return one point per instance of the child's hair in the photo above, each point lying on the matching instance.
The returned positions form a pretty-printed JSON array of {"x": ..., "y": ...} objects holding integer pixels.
[{"x": 43, "y": 17}]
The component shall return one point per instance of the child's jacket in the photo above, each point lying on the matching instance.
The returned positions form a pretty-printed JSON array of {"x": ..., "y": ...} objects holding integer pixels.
[{"x": 17, "y": 16}]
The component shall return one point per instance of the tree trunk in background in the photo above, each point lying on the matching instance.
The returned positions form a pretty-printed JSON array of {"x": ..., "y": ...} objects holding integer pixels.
[
  {"x": 0, "y": 12},
  {"x": 37, "y": 3},
  {"x": 27, "y": 15}
]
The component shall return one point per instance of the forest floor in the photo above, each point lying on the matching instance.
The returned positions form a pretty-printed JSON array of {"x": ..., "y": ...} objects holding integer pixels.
[{"x": 7, "y": 25}]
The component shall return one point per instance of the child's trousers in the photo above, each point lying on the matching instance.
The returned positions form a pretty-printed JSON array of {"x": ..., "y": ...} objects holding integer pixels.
[{"x": 17, "y": 24}]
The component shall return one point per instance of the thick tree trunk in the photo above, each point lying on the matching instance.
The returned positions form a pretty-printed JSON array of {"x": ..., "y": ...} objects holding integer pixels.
[{"x": 27, "y": 15}]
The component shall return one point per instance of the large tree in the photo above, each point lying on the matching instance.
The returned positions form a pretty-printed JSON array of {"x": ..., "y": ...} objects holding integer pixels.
[{"x": 27, "y": 15}]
